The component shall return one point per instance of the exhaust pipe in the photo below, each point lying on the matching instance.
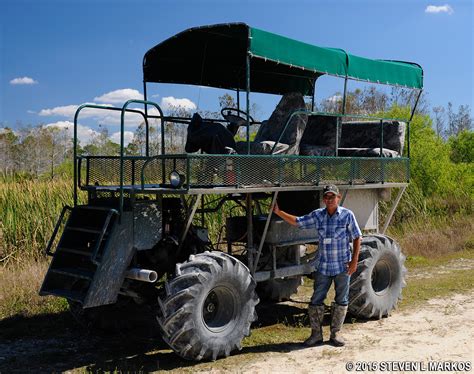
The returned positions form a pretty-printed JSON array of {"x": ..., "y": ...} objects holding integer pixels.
[{"x": 143, "y": 275}]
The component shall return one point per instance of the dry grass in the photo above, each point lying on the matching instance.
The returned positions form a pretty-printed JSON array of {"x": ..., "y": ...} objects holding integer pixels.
[
  {"x": 19, "y": 288},
  {"x": 435, "y": 237}
]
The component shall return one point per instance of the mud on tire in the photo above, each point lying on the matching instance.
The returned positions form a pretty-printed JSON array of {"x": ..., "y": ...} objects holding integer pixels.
[
  {"x": 209, "y": 306},
  {"x": 377, "y": 284}
]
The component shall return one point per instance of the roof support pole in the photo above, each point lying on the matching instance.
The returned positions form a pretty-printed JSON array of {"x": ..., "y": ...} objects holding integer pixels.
[
  {"x": 344, "y": 96},
  {"x": 409, "y": 122},
  {"x": 247, "y": 76},
  {"x": 147, "y": 145},
  {"x": 314, "y": 96},
  {"x": 339, "y": 119},
  {"x": 238, "y": 98}
]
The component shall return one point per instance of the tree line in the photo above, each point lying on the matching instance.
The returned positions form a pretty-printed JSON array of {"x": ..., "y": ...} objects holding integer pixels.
[{"x": 45, "y": 151}]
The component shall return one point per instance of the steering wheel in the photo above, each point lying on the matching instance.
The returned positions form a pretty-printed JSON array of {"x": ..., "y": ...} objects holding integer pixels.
[{"x": 235, "y": 116}]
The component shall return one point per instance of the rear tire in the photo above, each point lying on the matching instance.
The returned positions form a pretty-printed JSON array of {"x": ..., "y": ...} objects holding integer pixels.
[
  {"x": 209, "y": 306},
  {"x": 377, "y": 284}
]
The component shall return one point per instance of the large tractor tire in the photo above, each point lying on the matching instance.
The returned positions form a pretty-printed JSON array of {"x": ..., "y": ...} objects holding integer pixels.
[
  {"x": 377, "y": 284},
  {"x": 209, "y": 306}
]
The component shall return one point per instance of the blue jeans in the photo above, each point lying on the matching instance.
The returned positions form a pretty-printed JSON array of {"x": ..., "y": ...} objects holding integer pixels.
[{"x": 323, "y": 282}]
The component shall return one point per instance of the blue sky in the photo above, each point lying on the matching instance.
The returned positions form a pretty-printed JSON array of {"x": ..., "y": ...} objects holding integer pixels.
[{"x": 78, "y": 51}]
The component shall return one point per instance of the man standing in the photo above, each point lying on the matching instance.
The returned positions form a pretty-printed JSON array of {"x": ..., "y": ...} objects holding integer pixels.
[{"x": 336, "y": 227}]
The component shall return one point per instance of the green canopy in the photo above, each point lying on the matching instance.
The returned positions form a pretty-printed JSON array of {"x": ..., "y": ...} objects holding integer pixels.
[{"x": 216, "y": 56}]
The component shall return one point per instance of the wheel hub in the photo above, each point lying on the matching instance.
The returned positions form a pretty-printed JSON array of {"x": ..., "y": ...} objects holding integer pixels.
[
  {"x": 218, "y": 309},
  {"x": 381, "y": 277}
]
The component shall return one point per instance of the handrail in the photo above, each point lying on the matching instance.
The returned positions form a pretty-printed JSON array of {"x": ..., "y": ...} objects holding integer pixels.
[
  {"x": 296, "y": 112},
  {"x": 56, "y": 229},
  {"x": 122, "y": 139},
  {"x": 94, "y": 106}
]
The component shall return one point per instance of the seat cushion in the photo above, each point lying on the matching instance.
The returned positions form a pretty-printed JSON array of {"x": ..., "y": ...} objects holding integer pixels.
[
  {"x": 261, "y": 148},
  {"x": 367, "y": 152},
  {"x": 316, "y": 150}
]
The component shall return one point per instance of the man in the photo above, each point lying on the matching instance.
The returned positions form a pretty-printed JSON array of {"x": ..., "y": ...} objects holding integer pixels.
[{"x": 336, "y": 227}]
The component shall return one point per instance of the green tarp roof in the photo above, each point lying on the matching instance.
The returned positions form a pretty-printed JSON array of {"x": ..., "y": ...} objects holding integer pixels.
[{"x": 216, "y": 56}]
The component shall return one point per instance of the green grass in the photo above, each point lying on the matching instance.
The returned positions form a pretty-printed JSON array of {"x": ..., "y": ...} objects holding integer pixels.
[
  {"x": 419, "y": 291},
  {"x": 29, "y": 210}
]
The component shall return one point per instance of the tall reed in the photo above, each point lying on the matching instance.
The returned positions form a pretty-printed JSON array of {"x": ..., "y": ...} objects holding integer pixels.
[{"x": 28, "y": 212}]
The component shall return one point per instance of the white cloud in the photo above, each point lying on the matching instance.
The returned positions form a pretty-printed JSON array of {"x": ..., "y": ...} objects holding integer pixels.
[
  {"x": 23, "y": 80},
  {"x": 334, "y": 99},
  {"x": 446, "y": 8},
  {"x": 119, "y": 96},
  {"x": 103, "y": 116},
  {"x": 84, "y": 134},
  {"x": 127, "y": 137},
  {"x": 63, "y": 111},
  {"x": 170, "y": 102}
]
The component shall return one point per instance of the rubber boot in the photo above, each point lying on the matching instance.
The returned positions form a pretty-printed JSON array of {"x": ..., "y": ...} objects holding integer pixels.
[
  {"x": 338, "y": 314},
  {"x": 316, "y": 315}
]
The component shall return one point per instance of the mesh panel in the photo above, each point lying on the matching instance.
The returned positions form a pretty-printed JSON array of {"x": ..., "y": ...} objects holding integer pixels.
[
  {"x": 157, "y": 170},
  {"x": 105, "y": 171},
  {"x": 243, "y": 171}
]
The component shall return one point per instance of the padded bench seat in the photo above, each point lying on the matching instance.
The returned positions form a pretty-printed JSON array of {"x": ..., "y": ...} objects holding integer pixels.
[{"x": 356, "y": 139}]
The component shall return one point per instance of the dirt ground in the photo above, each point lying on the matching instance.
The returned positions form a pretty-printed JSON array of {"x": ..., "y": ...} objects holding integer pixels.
[{"x": 439, "y": 330}]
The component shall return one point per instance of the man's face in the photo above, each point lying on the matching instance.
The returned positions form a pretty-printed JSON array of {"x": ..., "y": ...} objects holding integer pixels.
[{"x": 331, "y": 200}]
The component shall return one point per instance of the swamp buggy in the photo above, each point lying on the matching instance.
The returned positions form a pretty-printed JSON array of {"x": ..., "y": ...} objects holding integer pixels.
[{"x": 144, "y": 235}]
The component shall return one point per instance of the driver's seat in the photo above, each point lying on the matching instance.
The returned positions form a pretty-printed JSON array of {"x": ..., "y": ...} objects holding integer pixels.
[{"x": 269, "y": 131}]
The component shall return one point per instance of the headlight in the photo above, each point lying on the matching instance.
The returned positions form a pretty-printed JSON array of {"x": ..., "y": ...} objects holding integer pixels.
[{"x": 176, "y": 179}]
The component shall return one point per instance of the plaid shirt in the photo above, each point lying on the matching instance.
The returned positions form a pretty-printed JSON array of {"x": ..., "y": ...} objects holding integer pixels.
[{"x": 335, "y": 233}]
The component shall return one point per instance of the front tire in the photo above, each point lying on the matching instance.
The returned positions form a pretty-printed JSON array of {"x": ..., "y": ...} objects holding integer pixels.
[
  {"x": 377, "y": 284},
  {"x": 209, "y": 306}
]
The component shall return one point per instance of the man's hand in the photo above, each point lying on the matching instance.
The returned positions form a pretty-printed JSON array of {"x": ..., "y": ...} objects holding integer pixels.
[
  {"x": 289, "y": 218},
  {"x": 351, "y": 267}
]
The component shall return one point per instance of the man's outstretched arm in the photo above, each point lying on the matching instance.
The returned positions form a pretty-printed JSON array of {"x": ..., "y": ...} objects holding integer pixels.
[{"x": 291, "y": 219}]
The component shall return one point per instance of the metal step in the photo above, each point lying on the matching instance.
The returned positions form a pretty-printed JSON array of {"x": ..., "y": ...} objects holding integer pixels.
[
  {"x": 81, "y": 229},
  {"x": 76, "y": 273},
  {"x": 74, "y": 251}
]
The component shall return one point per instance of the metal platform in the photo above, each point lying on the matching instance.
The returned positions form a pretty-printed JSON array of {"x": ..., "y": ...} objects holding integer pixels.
[{"x": 218, "y": 174}]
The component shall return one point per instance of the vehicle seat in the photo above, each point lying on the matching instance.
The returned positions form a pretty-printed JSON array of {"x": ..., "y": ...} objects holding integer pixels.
[
  {"x": 212, "y": 138},
  {"x": 362, "y": 139},
  {"x": 269, "y": 131},
  {"x": 319, "y": 137}
]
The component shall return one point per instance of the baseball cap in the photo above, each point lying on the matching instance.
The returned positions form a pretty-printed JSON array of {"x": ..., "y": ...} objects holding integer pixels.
[{"x": 330, "y": 188}]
